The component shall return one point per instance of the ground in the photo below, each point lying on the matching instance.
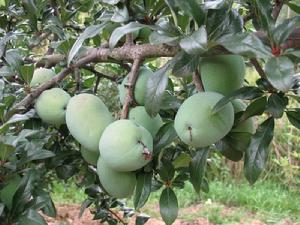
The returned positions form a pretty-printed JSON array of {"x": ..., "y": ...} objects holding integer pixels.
[{"x": 68, "y": 215}]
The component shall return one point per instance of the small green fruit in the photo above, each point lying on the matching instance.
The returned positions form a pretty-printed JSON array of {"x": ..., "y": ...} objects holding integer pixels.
[
  {"x": 246, "y": 126},
  {"x": 140, "y": 86},
  {"x": 139, "y": 115},
  {"x": 117, "y": 184},
  {"x": 197, "y": 126},
  {"x": 87, "y": 117},
  {"x": 51, "y": 106},
  {"x": 41, "y": 76},
  {"x": 126, "y": 146},
  {"x": 223, "y": 74},
  {"x": 89, "y": 156}
]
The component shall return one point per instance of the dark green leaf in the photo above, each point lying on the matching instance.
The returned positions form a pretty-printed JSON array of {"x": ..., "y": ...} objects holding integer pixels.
[
  {"x": 86, "y": 203},
  {"x": 119, "y": 32},
  {"x": 32, "y": 12},
  {"x": 165, "y": 136},
  {"x": 196, "y": 43},
  {"x": 2, "y": 206},
  {"x": 257, "y": 107},
  {"x": 185, "y": 64},
  {"x": 157, "y": 38},
  {"x": 294, "y": 118},
  {"x": 32, "y": 217},
  {"x": 264, "y": 14},
  {"x": 168, "y": 206},
  {"x": 40, "y": 154},
  {"x": 89, "y": 32},
  {"x": 257, "y": 153},
  {"x": 276, "y": 105},
  {"x": 167, "y": 171},
  {"x": 198, "y": 167},
  {"x": 2, "y": 86},
  {"x": 141, "y": 219},
  {"x": 156, "y": 87},
  {"x": 245, "y": 44},
  {"x": 245, "y": 93},
  {"x": 142, "y": 190},
  {"x": 193, "y": 9},
  {"x": 295, "y": 7},
  {"x": 280, "y": 72},
  {"x": 27, "y": 72},
  {"x": 281, "y": 33}
]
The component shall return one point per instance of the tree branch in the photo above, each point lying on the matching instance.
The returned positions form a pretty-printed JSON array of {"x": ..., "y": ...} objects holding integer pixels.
[
  {"x": 132, "y": 77},
  {"x": 198, "y": 81}
]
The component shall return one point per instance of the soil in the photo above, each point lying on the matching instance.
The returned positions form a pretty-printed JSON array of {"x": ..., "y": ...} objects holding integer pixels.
[{"x": 69, "y": 215}]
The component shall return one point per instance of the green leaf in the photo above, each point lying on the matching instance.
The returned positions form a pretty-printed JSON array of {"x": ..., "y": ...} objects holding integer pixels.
[
  {"x": 156, "y": 85},
  {"x": 276, "y": 105},
  {"x": 141, "y": 219},
  {"x": 111, "y": 2},
  {"x": 2, "y": 206},
  {"x": 165, "y": 136},
  {"x": 281, "y": 33},
  {"x": 27, "y": 72},
  {"x": 193, "y": 9},
  {"x": 280, "y": 72},
  {"x": 5, "y": 151},
  {"x": 157, "y": 38},
  {"x": 38, "y": 155},
  {"x": 32, "y": 217},
  {"x": 245, "y": 93},
  {"x": 32, "y": 13},
  {"x": 264, "y": 14},
  {"x": 196, "y": 43},
  {"x": 198, "y": 167},
  {"x": 168, "y": 206},
  {"x": 120, "y": 15},
  {"x": 14, "y": 58},
  {"x": 185, "y": 64},
  {"x": 295, "y": 7},
  {"x": 257, "y": 107},
  {"x": 119, "y": 32},
  {"x": 142, "y": 190},
  {"x": 167, "y": 171},
  {"x": 294, "y": 118},
  {"x": 217, "y": 4},
  {"x": 2, "y": 86},
  {"x": 246, "y": 45},
  {"x": 89, "y": 32},
  {"x": 257, "y": 153}
]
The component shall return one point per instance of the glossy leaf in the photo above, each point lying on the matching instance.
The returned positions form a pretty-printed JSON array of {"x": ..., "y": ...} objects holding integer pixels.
[
  {"x": 89, "y": 32},
  {"x": 280, "y": 72},
  {"x": 142, "y": 190},
  {"x": 294, "y": 118},
  {"x": 196, "y": 43},
  {"x": 255, "y": 108},
  {"x": 32, "y": 217},
  {"x": 165, "y": 136},
  {"x": 27, "y": 72},
  {"x": 168, "y": 206},
  {"x": 257, "y": 153},
  {"x": 198, "y": 167},
  {"x": 185, "y": 65},
  {"x": 120, "y": 15},
  {"x": 167, "y": 171},
  {"x": 193, "y": 9},
  {"x": 276, "y": 105}
]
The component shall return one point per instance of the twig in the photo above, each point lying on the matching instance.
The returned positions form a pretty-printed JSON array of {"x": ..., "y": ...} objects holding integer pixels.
[
  {"x": 77, "y": 79},
  {"x": 132, "y": 77},
  {"x": 261, "y": 72},
  {"x": 98, "y": 74},
  {"x": 129, "y": 39},
  {"x": 198, "y": 81},
  {"x": 97, "y": 84},
  {"x": 41, "y": 37},
  {"x": 117, "y": 216}
]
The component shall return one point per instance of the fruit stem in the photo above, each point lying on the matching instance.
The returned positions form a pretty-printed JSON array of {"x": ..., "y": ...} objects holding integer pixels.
[{"x": 191, "y": 136}]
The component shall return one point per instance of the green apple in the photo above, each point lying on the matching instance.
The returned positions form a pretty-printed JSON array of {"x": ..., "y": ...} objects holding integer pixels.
[
  {"x": 197, "y": 126},
  {"x": 89, "y": 156},
  {"x": 223, "y": 73},
  {"x": 117, "y": 184},
  {"x": 41, "y": 76},
  {"x": 87, "y": 117},
  {"x": 126, "y": 146},
  {"x": 139, "y": 115},
  {"x": 140, "y": 86},
  {"x": 51, "y": 106}
]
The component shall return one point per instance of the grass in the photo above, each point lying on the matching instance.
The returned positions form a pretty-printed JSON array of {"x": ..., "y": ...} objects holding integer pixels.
[{"x": 226, "y": 203}]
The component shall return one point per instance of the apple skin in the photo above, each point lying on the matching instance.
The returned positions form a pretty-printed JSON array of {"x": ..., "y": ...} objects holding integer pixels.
[
  {"x": 87, "y": 117},
  {"x": 89, "y": 156},
  {"x": 115, "y": 183},
  {"x": 51, "y": 106},
  {"x": 140, "y": 86},
  {"x": 126, "y": 146},
  {"x": 196, "y": 126},
  {"x": 248, "y": 125},
  {"x": 223, "y": 73},
  {"x": 41, "y": 76},
  {"x": 140, "y": 116}
]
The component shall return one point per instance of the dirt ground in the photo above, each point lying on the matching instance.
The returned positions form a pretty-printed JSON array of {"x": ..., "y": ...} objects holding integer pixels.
[{"x": 68, "y": 215}]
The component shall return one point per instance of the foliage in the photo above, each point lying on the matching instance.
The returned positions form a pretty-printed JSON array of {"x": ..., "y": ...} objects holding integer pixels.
[{"x": 62, "y": 35}]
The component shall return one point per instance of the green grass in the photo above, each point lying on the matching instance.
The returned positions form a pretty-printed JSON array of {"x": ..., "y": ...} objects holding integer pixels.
[{"x": 226, "y": 203}]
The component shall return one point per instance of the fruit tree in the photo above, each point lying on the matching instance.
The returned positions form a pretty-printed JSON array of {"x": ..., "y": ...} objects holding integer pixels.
[{"x": 128, "y": 97}]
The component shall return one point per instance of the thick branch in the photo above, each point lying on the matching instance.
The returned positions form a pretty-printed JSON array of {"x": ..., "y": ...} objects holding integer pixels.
[{"x": 132, "y": 77}]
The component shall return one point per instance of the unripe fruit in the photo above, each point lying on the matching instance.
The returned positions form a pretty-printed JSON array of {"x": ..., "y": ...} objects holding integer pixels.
[
  {"x": 87, "y": 117},
  {"x": 140, "y": 86},
  {"x": 126, "y": 146},
  {"x": 117, "y": 184},
  {"x": 139, "y": 115},
  {"x": 197, "y": 126},
  {"x": 51, "y": 106},
  {"x": 40, "y": 76},
  {"x": 89, "y": 156},
  {"x": 246, "y": 126},
  {"x": 223, "y": 74}
]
